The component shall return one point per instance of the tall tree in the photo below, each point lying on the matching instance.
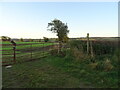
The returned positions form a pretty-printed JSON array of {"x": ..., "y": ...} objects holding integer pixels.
[{"x": 57, "y": 26}]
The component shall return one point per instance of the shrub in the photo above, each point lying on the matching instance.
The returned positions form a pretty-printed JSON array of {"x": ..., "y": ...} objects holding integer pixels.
[
  {"x": 80, "y": 45},
  {"x": 78, "y": 49},
  {"x": 104, "y": 47}
]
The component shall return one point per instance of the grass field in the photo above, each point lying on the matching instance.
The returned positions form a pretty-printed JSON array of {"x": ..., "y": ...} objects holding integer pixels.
[
  {"x": 40, "y": 74},
  {"x": 22, "y": 45},
  {"x": 72, "y": 69},
  {"x": 56, "y": 72}
]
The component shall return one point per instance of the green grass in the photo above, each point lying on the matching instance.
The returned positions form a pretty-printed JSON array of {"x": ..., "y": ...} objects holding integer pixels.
[
  {"x": 57, "y": 72},
  {"x": 38, "y": 74},
  {"x": 83, "y": 72},
  {"x": 7, "y": 42},
  {"x": 9, "y": 47}
]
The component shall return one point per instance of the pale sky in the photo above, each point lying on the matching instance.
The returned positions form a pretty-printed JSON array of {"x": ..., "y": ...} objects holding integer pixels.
[{"x": 30, "y": 19}]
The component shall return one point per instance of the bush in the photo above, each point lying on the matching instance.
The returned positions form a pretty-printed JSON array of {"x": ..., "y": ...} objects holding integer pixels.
[
  {"x": 80, "y": 45},
  {"x": 104, "y": 47},
  {"x": 78, "y": 49}
]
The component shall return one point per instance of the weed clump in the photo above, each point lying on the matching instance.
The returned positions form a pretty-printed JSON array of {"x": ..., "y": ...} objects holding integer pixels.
[
  {"x": 104, "y": 65},
  {"x": 107, "y": 65}
]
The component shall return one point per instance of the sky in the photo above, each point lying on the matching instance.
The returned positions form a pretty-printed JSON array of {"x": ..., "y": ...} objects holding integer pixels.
[{"x": 30, "y": 19}]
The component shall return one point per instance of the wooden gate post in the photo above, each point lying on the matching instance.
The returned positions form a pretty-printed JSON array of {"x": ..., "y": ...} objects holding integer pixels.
[
  {"x": 14, "y": 54},
  {"x": 87, "y": 43}
]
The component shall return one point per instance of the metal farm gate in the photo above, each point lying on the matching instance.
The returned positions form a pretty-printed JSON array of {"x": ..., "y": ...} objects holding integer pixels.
[{"x": 24, "y": 52}]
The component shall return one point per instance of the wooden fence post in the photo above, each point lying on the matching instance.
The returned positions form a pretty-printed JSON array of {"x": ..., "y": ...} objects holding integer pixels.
[
  {"x": 14, "y": 54},
  {"x": 87, "y": 43}
]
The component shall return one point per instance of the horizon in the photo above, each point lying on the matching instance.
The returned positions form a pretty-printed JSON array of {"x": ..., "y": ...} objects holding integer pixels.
[
  {"x": 69, "y": 37},
  {"x": 30, "y": 19}
]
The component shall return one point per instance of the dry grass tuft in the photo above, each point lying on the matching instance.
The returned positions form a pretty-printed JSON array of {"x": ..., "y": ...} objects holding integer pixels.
[
  {"x": 93, "y": 65},
  {"x": 78, "y": 54},
  {"x": 107, "y": 65}
]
